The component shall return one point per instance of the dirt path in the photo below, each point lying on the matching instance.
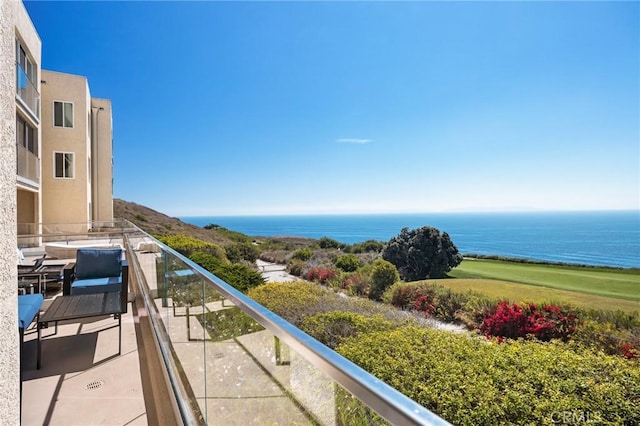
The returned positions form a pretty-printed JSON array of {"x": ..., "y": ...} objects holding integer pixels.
[{"x": 273, "y": 272}]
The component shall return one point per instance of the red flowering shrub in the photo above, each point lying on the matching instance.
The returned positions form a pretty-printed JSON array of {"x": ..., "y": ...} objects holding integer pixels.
[
  {"x": 629, "y": 351},
  {"x": 423, "y": 302},
  {"x": 416, "y": 298},
  {"x": 356, "y": 284},
  {"x": 513, "y": 321},
  {"x": 402, "y": 297},
  {"x": 320, "y": 274}
]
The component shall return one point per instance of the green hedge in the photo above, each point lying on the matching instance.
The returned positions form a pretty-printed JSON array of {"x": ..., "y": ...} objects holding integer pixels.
[
  {"x": 332, "y": 328},
  {"x": 188, "y": 245},
  {"x": 471, "y": 381},
  {"x": 236, "y": 274}
]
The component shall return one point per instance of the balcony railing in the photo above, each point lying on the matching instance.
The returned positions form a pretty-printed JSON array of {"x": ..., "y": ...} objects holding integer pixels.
[
  {"x": 27, "y": 91},
  {"x": 234, "y": 359},
  {"x": 228, "y": 359},
  {"x": 28, "y": 164}
]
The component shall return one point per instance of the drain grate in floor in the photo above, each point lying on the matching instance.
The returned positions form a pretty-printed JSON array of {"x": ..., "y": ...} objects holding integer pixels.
[{"x": 95, "y": 384}]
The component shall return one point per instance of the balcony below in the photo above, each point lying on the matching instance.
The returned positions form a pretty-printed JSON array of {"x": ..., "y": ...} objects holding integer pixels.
[{"x": 28, "y": 166}]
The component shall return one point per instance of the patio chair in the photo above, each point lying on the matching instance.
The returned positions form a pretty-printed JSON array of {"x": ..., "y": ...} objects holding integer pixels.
[
  {"x": 28, "y": 275},
  {"x": 97, "y": 271},
  {"x": 29, "y": 306}
]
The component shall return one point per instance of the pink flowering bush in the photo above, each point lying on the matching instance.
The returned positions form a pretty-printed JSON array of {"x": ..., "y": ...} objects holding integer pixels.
[{"x": 543, "y": 322}]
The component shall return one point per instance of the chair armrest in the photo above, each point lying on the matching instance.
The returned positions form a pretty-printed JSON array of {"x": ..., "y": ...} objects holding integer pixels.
[
  {"x": 124, "y": 290},
  {"x": 68, "y": 274}
]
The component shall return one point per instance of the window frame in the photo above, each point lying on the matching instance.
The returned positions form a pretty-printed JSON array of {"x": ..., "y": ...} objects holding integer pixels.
[
  {"x": 63, "y": 126},
  {"x": 71, "y": 155},
  {"x": 24, "y": 60},
  {"x": 26, "y": 135}
]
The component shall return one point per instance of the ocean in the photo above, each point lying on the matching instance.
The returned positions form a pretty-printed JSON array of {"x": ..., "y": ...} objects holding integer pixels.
[{"x": 609, "y": 238}]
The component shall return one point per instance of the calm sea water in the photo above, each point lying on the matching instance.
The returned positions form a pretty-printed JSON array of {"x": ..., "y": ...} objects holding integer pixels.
[{"x": 592, "y": 238}]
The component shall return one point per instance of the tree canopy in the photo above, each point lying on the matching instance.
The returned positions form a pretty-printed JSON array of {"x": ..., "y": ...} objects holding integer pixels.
[{"x": 422, "y": 253}]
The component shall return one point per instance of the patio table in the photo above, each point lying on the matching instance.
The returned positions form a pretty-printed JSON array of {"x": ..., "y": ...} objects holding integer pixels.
[{"x": 81, "y": 306}]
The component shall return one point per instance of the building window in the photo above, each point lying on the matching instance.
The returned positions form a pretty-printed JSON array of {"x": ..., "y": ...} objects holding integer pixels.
[
  {"x": 63, "y": 165},
  {"x": 26, "y": 135},
  {"x": 62, "y": 114},
  {"x": 26, "y": 63}
]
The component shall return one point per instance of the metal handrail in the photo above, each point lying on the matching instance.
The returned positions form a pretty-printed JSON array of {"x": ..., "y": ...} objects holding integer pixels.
[{"x": 389, "y": 403}]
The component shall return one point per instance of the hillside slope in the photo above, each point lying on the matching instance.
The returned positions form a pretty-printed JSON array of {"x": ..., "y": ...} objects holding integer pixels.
[{"x": 157, "y": 223}]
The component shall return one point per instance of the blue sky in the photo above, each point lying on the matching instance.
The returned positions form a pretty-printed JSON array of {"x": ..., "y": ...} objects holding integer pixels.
[{"x": 223, "y": 108}]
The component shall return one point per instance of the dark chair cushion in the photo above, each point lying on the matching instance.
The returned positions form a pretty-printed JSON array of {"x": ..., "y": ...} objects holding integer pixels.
[
  {"x": 28, "y": 307},
  {"x": 98, "y": 263}
]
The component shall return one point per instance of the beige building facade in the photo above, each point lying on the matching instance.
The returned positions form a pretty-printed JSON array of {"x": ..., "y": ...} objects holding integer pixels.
[{"x": 76, "y": 152}]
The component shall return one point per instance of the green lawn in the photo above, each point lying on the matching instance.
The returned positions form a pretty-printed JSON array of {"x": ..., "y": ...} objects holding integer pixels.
[
  {"x": 611, "y": 283},
  {"x": 518, "y": 293}
]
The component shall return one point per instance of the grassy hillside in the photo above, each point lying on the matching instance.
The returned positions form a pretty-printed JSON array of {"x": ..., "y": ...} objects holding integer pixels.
[
  {"x": 611, "y": 283},
  {"x": 157, "y": 223},
  {"x": 518, "y": 292}
]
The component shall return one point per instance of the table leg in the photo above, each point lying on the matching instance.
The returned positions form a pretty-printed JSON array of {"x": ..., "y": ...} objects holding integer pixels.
[{"x": 39, "y": 351}]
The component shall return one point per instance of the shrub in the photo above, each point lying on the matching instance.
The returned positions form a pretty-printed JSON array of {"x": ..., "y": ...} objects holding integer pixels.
[
  {"x": 383, "y": 275},
  {"x": 470, "y": 381},
  {"x": 369, "y": 246},
  {"x": 449, "y": 304},
  {"x": 227, "y": 324},
  {"x": 292, "y": 301},
  {"x": 422, "y": 253},
  {"x": 187, "y": 245},
  {"x": 609, "y": 338},
  {"x": 348, "y": 263},
  {"x": 298, "y": 300},
  {"x": 356, "y": 284},
  {"x": 513, "y": 321},
  {"x": 238, "y": 252},
  {"x": 475, "y": 309},
  {"x": 295, "y": 267},
  {"x": 275, "y": 256},
  {"x": 326, "y": 243},
  {"x": 140, "y": 217},
  {"x": 322, "y": 275},
  {"x": 303, "y": 254},
  {"x": 237, "y": 275},
  {"x": 423, "y": 302},
  {"x": 332, "y": 328}
]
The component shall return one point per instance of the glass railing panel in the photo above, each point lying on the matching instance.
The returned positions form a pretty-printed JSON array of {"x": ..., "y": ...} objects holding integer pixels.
[
  {"x": 27, "y": 91},
  {"x": 241, "y": 364},
  {"x": 28, "y": 164}
]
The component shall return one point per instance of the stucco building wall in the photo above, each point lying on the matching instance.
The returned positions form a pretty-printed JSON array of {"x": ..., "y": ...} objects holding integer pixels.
[{"x": 9, "y": 345}]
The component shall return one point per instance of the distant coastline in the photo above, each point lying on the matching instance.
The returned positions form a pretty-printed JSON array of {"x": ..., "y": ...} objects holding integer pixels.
[{"x": 596, "y": 238}]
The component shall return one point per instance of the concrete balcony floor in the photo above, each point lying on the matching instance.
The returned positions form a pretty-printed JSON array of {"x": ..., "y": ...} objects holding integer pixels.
[{"x": 83, "y": 380}]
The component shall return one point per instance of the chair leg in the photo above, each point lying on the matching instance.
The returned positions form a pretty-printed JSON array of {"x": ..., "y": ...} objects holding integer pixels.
[{"x": 21, "y": 373}]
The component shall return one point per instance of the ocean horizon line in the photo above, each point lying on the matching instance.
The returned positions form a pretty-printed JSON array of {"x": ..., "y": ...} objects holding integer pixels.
[
  {"x": 600, "y": 237},
  {"x": 399, "y": 213}
]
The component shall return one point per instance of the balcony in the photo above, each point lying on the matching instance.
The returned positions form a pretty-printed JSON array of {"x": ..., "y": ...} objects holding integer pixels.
[
  {"x": 27, "y": 92},
  {"x": 194, "y": 351},
  {"x": 28, "y": 165}
]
